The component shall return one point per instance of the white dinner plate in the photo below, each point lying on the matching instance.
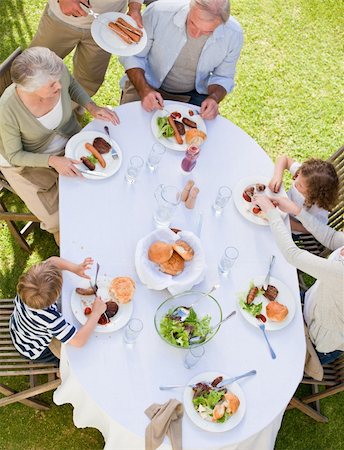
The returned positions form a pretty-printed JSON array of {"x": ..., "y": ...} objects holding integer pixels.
[
  {"x": 214, "y": 427},
  {"x": 75, "y": 149},
  {"x": 285, "y": 297},
  {"x": 184, "y": 111},
  {"x": 245, "y": 207},
  {"x": 109, "y": 41},
  {"x": 80, "y": 302}
]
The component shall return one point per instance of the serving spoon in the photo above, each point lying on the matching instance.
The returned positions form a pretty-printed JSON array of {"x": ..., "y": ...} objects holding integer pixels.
[{"x": 200, "y": 339}]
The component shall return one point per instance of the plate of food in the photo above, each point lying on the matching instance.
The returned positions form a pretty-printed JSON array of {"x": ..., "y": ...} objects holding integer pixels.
[
  {"x": 243, "y": 193},
  {"x": 94, "y": 150},
  {"x": 178, "y": 126},
  {"x": 165, "y": 259},
  {"x": 117, "y": 293},
  {"x": 118, "y": 33},
  {"x": 212, "y": 409},
  {"x": 274, "y": 306}
]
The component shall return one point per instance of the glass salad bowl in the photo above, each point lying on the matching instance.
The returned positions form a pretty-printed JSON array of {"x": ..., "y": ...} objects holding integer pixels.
[{"x": 185, "y": 320}]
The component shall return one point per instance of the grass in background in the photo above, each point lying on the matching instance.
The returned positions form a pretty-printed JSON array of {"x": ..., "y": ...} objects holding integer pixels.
[{"x": 288, "y": 97}]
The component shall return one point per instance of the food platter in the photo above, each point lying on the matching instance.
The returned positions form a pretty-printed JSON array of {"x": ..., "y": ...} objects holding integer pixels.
[
  {"x": 75, "y": 149},
  {"x": 244, "y": 207},
  {"x": 284, "y": 297},
  {"x": 214, "y": 427},
  {"x": 108, "y": 39},
  {"x": 80, "y": 302},
  {"x": 184, "y": 110}
]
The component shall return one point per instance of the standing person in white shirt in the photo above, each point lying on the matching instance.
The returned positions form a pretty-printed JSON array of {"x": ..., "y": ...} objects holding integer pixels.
[
  {"x": 315, "y": 187},
  {"x": 191, "y": 56},
  {"x": 66, "y": 25}
]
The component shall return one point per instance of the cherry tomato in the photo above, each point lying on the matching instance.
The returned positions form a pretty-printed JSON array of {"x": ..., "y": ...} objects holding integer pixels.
[
  {"x": 191, "y": 113},
  {"x": 256, "y": 210},
  {"x": 102, "y": 320},
  {"x": 246, "y": 197},
  {"x": 176, "y": 115},
  {"x": 87, "y": 311},
  {"x": 261, "y": 317}
]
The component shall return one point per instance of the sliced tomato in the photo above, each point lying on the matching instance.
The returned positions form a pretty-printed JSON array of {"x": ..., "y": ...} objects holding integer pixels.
[
  {"x": 246, "y": 197},
  {"x": 176, "y": 115},
  {"x": 261, "y": 317},
  {"x": 87, "y": 311},
  {"x": 102, "y": 320},
  {"x": 256, "y": 210}
]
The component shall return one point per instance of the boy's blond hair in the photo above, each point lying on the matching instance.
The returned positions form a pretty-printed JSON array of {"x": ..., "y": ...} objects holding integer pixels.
[{"x": 40, "y": 286}]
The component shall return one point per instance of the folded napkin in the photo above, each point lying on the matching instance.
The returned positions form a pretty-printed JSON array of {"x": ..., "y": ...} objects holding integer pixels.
[{"x": 165, "y": 419}]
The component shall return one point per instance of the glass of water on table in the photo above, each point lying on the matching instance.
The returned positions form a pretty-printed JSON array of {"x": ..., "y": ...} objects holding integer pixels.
[
  {"x": 222, "y": 198},
  {"x": 230, "y": 255},
  {"x": 134, "y": 167},
  {"x": 155, "y": 155}
]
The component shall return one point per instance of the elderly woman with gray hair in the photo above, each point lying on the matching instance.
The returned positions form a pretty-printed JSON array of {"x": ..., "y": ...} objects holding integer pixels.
[
  {"x": 191, "y": 56},
  {"x": 36, "y": 121}
]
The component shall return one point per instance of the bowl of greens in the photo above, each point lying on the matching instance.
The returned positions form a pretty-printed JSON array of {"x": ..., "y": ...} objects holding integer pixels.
[{"x": 188, "y": 315}]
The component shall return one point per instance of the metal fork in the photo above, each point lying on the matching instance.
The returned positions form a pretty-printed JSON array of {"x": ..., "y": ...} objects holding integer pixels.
[
  {"x": 262, "y": 327},
  {"x": 114, "y": 153},
  {"x": 267, "y": 278}
]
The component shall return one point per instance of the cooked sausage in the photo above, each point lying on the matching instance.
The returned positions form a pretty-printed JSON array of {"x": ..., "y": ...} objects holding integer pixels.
[
  {"x": 95, "y": 153},
  {"x": 252, "y": 294},
  {"x": 175, "y": 129},
  {"x": 135, "y": 37},
  {"x": 189, "y": 123},
  {"x": 84, "y": 291},
  {"x": 129, "y": 26},
  {"x": 89, "y": 164},
  {"x": 114, "y": 27},
  {"x": 271, "y": 292}
]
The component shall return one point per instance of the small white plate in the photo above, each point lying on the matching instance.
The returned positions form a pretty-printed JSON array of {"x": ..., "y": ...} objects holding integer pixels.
[
  {"x": 214, "y": 427},
  {"x": 285, "y": 297},
  {"x": 80, "y": 302},
  {"x": 245, "y": 207},
  {"x": 109, "y": 41},
  {"x": 75, "y": 149},
  {"x": 184, "y": 111}
]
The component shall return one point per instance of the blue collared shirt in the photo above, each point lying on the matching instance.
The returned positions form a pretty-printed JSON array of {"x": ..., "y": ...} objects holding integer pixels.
[{"x": 165, "y": 24}]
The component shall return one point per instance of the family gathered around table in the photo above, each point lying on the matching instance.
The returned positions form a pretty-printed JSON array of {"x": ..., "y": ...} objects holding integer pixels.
[{"x": 201, "y": 217}]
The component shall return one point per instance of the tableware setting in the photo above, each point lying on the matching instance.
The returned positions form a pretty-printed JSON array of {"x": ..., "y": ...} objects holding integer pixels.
[
  {"x": 175, "y": 273},
  {"x": 76, "y": 149},
  {"x": 132, "y": 331},
  {"x": 223, "y": 196},
  {"x": 167, "y": 199},
  {"x": 155, "y": 155},
  {"x": 109, "y": 40},
  {"x": 243, "y": 193},
  {"x": 133, "y": 169},
  {"x": 228, "y": 258}
]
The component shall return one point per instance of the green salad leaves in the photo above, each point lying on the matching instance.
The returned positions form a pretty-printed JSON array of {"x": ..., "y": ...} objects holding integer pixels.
[{"x": 165, "y": 128}]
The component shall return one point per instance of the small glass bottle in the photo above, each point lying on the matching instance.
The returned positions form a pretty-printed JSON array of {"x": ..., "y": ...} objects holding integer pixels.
[{"x": 191, "y": 155}]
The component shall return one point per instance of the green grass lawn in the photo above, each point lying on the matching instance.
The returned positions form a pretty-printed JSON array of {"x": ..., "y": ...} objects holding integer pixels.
[{"x": 288, "y": 97}]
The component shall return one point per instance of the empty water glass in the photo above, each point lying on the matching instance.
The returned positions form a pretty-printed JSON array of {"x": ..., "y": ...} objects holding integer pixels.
[
  {"x": 223, "y": 196},
  {"x": 134, "y": 167},
  {"x": 193, "y": 356},
  {"x": 168, "y": 198},
  {"x": 132, "y": 330},
  {"x": 155, "y": 155},
  {"x": 229, "y": 257}
]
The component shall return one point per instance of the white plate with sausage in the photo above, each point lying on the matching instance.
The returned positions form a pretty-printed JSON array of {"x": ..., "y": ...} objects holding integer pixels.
[
  {"x": 284, "y": 297},
  {"x": 242, "y": 199},
  {"x": 80, "y": 302},
  {"x": 185, "y": 111},
  {"x": 76, "y": 149},
  {"x": 111, "y": 42}
]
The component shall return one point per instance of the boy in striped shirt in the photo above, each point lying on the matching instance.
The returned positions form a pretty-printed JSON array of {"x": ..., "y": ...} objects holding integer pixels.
[{"x": 37, "y": 327}]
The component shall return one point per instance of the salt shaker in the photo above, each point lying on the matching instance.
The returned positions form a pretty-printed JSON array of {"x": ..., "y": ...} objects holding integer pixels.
[
  {"x": 191, "y": 200},
  {"x": 186, "y": 190}
]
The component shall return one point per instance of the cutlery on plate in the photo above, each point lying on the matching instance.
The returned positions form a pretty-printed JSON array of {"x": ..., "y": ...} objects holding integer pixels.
[
  {"x": 219, "y": 386},
  {"x": 199, "y": 339},
  {"x": 262, "y": 327},
  {"x": 93, "y": 172},
  {"x": 114, "y": 153},
  {"x": 95, "y": 289},
  {"x": 267, "y": 278}
]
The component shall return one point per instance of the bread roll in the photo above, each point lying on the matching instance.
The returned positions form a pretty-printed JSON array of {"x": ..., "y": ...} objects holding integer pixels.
[
  {"x": 174, "y": 266},
  {"x": 233, "y": 402},
  {"x": 183, "y": 249},
  {"x": 195, "y": 137},
  {"x": 160, "y": 252},
  {"x": 276, "y": 311},
  {"x": 122, "y": 289}
]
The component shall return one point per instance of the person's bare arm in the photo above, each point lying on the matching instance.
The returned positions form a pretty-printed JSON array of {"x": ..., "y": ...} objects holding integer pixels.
[
  {"x": 210, "y": 106},
  {"x": 150, "y": 98},
  {"x": 72, "y": 8},
  {"x": 78, "y": 269},
  {"x": 282, "y": 163}
]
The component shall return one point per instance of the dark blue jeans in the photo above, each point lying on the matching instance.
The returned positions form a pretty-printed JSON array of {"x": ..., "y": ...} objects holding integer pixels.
[
  {"x": 47, "y": 356},
  {"x": 195, "y": 97},
  {"x": 327, "y": 358}
]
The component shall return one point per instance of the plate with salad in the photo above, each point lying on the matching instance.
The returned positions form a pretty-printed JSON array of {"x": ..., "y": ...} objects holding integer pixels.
[
  {"x": 184, "y": 116},
  {"x": 275, "y": 306},
  {"x": 213, "y": 409},
  {"x": 76, "y": 149}
]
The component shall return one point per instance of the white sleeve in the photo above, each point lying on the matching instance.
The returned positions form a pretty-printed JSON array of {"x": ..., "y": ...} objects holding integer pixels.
[{"x": 294, "y": 167}]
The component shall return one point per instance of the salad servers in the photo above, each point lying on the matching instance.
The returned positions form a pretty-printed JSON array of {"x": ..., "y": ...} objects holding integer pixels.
[
  {"x": 267, "y": 278},
  {"x": 199, "y": 339},
  {"x": 262, "y": 327},
  {"x": 219, "y": 386},
  {"x": 114, "y": 153},
  {"x": 183, "y": 312}
]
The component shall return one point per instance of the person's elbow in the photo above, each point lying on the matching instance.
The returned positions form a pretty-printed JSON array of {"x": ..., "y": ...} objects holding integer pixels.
[{"x": 77, "y": 341}]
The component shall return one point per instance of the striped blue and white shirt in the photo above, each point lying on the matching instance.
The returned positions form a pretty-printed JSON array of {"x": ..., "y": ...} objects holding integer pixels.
[{"x": 33, "y": 329}]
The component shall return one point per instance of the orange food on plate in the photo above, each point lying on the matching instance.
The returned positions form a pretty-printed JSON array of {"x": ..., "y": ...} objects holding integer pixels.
[
  {"x": 183, "y": 249},
  {"x": 276, "y": 311},
  {"x": 160, "y": 252},
  {"x": 122, "y": 289},
  {"x": 174, "y": 266},
  {"x": 233, "y": 403}
]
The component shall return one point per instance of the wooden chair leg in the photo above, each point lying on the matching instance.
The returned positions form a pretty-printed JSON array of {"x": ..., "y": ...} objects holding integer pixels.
[
  {"x": 23, "y": 396},
  {"x": 15, "y": 230},
  {"x": 33, "y": 403},
  {"x": 298, "y": 404}
]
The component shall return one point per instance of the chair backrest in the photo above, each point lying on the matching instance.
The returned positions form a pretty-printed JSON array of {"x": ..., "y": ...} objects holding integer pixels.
[{"x": 5, "y": 67}]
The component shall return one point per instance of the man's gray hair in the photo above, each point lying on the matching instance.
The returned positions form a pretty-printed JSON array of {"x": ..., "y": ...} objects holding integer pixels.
[
  {"x": 35, "y": 67},
  {"x": 215, "y": 8}
]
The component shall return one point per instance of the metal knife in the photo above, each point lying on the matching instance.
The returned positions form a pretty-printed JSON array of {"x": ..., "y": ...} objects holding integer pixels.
[
  {"x": 267, "y": 278},
  {"x": 94, "y": 173}
]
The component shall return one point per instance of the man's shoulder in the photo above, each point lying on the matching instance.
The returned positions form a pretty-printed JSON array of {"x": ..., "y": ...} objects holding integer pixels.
[
  {"x": 233, "y": 25},
  {"x": 7, "y": 100},
  {"x": 166, "y": 6}
]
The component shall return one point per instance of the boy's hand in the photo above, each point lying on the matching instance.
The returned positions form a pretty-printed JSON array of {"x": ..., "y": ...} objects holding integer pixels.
[
  {"x": 82, "y": 267},
  {"x": 98, "y": 307},
  {"x": 287, "y": 205},
  {"x": 275, "y": 184}
]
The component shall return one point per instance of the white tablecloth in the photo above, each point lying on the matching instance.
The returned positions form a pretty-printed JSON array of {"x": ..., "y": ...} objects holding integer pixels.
[{"x": 111, "y": 385}]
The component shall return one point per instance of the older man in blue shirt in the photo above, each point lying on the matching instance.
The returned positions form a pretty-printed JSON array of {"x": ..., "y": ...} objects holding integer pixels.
[{"x": 191, "y": 54}]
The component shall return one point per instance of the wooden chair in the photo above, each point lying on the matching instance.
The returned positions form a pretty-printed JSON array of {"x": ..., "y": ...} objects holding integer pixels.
[
  {"x": 332, "y": 383},
  {"x": 13, "y": 364},
  {"x": 8, "y": 216}
]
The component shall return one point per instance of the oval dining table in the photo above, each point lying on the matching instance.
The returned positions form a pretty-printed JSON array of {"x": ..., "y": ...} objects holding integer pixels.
[{"x": 111, "y": 384}]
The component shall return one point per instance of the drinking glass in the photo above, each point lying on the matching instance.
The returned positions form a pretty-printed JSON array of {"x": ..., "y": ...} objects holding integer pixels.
[
  {"x": 223, "y": 196},
  {"x": 193, "y": 356},
  {"x": 155, "y": 155},
  {"x": 132, "y": 330},
  {"x": 134, "y": 167},
  {"x": 168, "y": 198},
  {"x": 227, "y": 260}
]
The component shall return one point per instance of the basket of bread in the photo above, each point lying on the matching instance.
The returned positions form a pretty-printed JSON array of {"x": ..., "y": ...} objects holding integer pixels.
[{"x": 165, "y": 259}]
